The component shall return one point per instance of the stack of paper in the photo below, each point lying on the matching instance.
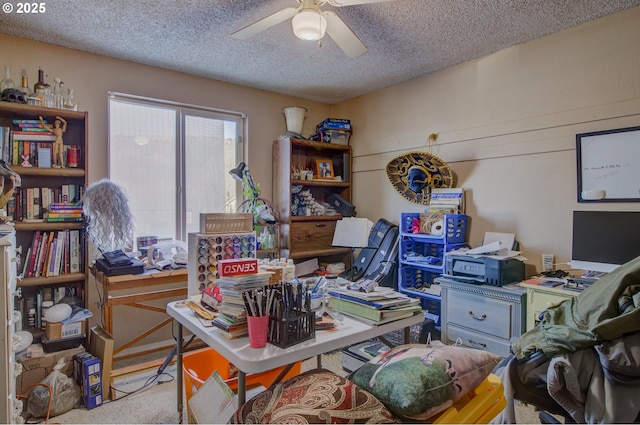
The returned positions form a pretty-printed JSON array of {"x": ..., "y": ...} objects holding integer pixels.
[{"x": 379, "y": 306}]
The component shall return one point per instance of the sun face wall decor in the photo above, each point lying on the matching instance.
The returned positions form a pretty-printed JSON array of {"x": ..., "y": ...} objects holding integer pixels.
[{"x": 414, "y": 174}]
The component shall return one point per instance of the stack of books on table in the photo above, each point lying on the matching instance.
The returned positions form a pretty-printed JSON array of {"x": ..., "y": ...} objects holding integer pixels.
[
  {"x": 231, "y": 320},
  {"x": 382, "y": 305}
]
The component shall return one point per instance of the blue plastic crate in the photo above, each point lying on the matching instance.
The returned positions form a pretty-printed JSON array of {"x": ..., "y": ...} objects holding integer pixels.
[
  {"x": 427, "y": 254},
  {"x": 455, "y": 227},
  {"x": 416, "y": 277}
]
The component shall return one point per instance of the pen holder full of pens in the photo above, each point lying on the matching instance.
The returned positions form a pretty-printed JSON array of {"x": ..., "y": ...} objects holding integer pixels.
[{"x": 292, "y": 329}]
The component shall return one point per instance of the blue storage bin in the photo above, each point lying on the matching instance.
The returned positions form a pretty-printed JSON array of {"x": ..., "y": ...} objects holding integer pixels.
[
  {"x": 416, "y": 277},
  {"x": 455, "y": 227},
  {"x": 425, "y": 254}
]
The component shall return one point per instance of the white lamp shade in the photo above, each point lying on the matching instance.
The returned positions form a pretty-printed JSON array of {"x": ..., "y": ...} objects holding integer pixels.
[{"x": 309, "y": 24}]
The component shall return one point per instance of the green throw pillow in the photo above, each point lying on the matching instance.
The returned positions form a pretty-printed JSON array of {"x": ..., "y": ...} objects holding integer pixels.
[{"x": 418, "y": 381}]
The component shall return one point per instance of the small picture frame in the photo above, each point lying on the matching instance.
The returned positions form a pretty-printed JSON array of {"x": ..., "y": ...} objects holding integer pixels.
[{"x": 324, "y": 169}]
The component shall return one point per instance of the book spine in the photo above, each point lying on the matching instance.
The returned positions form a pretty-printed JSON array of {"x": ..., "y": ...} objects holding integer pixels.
[
  {"x": 65, "y": 260},
  {"x": 29, "y": 203},
  {"x": 15, "y": 158},
  {"x": 34, "y": 252},
  {"x": 64, "y": 219},
  {"x": 55, "y": 214},
  {"x": 25, "y": 265},
  {"x": 37, "y": 213},
  {"x": 74, "y": 251},
  {"x": 65, "y": 193},
  {"x": 42, "y": 255},
  {"x": 51, "y": 258},
  {"x": 33, "y": 136},
  {"x": 57, "y": 265}
]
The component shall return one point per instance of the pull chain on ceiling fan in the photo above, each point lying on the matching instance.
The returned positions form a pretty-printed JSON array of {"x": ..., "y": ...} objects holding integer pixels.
[{"x": 311, "y": 23}]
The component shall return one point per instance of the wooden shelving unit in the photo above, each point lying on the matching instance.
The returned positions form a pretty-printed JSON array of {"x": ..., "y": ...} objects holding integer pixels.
[
  {"x": 76, "y": 134},
  {"x": 307, "y": 236}
]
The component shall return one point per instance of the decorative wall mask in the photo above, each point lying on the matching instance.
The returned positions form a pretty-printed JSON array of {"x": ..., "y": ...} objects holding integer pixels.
[{"x": 415, "y": 173}]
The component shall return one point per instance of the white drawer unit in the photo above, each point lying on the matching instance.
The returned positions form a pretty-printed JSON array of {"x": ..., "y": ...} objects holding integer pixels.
[{"x": 482, "y": 316}]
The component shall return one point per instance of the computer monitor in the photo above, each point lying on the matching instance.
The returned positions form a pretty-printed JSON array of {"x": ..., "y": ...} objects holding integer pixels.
[{"x": 604, "y": 240}]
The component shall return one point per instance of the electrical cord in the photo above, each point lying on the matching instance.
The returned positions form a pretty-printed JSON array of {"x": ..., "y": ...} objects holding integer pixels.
[{"x": 147, "y": 383}]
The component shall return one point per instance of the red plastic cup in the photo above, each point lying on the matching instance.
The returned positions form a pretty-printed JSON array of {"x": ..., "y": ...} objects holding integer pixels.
[{"x": 258, "y": 329}]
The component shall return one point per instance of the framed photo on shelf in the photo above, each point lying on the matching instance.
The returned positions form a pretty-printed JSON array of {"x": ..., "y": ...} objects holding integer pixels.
[{"x": 324, "y": 169}]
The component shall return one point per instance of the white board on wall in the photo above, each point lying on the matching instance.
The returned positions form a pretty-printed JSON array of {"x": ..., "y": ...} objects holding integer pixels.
[{"x": 609, "y": 165}]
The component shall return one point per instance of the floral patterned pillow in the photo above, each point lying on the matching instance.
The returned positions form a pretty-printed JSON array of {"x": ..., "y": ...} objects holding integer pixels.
[
  {"x": 417, "y": 381},
  {"x": 316, "y": 396}
]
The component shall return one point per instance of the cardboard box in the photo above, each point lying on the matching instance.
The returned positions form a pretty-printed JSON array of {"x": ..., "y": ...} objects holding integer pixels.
[
  {"x": 64, "y": 330},
  {"x": 88, "y": 375},
  {"x": 36, "y": 369},
  {"x": 101, "y": 346}
]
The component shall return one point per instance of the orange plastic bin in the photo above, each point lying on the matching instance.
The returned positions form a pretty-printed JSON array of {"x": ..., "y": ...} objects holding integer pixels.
[{"x": 198, "y": 365}]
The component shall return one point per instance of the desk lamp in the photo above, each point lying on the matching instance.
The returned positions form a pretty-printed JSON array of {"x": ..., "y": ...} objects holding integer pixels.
[
  {"x": 352, "y": 233},
  {"x": 261, "y": 209}
]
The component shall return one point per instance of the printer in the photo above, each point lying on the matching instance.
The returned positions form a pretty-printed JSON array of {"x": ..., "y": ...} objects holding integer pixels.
[{"x": 483, "y": 270}]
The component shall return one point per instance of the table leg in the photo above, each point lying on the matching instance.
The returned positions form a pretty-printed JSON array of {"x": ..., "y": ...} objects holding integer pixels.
[
  {"x": 242, "y": 388},
  {"x": 179, "y": 370}
]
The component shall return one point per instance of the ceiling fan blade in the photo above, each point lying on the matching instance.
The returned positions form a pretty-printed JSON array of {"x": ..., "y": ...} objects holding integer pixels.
[
  {"x": 343, "y": 36},
  {"x": 342, "y": 3},
  {"x": 265, "y": 23}
]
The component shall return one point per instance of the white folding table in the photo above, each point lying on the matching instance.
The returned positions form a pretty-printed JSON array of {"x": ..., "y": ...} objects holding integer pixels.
[{"x": 254, "y": 360}]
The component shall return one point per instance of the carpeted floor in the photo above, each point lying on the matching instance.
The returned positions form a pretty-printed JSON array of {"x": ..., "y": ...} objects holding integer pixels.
[{"x": 147, "y": 398}]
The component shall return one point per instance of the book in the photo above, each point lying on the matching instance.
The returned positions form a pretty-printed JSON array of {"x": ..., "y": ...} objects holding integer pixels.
[
  {"x": 37, "y": 236},
  {"x": 25, "y": 264},
  {"x": 64, "y": 266},
  {"x": 70, "y": 214},
  {"x": 29, "y": 204},
  {"x": 74, "y": 251},
  {"x": 375, "y": 303},
  {"x": 37, "y": 202},
  {"x": 33, "y": 136},
  {"x": 374, "y": 314},
  {"x": 65, "y": 219},
  {"x": 49, "y": 252},
  {"x": 42, "y": 254},
  {"x": 57, "y": 262},
  {"x": 44, "y": 157},
  {"x": 51, "y": 258}
]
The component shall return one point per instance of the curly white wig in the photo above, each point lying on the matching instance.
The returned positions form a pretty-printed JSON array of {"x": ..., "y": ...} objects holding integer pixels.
[{"x": 110, "y": 222}]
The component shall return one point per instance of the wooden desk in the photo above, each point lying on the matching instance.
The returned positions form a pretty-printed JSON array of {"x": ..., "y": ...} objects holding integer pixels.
[
  {"x": 254, "y": 360},
  {"x": 144, "y": 281}
]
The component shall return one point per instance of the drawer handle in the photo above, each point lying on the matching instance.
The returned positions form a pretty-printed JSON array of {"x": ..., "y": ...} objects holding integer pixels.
[
  {"x": 483, "y": 317},
  {"x": 321, "y": 225},
  {"x": 481, "y": 344}
]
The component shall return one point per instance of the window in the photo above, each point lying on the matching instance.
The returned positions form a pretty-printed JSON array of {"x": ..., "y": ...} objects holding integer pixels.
[{"x": 172, "y": 160}]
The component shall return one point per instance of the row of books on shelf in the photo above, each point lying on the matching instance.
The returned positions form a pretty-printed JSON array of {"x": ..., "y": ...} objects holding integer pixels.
[
  {"x": 53, "y": 253},
  {"x": 28, "y": 146},
  {"x": 51, "y": 204},
  {"x": 30, "y": 304}
]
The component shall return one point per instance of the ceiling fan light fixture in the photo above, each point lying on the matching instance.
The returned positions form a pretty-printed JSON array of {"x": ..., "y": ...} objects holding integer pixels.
[{"x": 309, "y": 24}]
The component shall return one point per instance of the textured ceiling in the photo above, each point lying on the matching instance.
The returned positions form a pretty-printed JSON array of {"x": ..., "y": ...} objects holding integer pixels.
[{"x": 405, "y": 38}]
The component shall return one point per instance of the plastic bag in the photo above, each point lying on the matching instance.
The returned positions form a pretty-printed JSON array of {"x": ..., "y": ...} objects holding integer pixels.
[{"x": 66, "y": 394}]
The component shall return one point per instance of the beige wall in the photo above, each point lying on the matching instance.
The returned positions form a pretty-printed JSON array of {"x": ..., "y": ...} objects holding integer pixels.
[
  {"x": 507, "y": 124},
  {"x": 93, "y": 76}
]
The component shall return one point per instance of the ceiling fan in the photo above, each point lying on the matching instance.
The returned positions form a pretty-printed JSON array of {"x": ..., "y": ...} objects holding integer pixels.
[{"x": 311, "y": 23}]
